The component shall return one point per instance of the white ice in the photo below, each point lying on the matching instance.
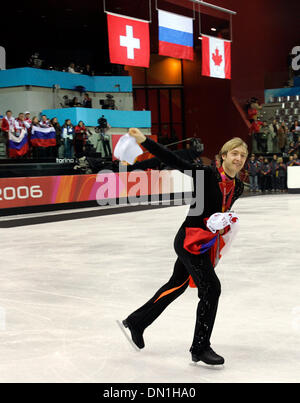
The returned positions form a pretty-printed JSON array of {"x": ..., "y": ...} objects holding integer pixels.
[{"x": 63, "y": 285}]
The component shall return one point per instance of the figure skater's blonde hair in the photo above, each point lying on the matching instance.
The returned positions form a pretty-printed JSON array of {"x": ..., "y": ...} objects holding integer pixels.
[{"x": 231, "y": 144}]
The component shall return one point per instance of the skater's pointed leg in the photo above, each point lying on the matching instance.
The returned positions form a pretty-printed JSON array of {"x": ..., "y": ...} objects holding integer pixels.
[{"x": 136, "y": 334}]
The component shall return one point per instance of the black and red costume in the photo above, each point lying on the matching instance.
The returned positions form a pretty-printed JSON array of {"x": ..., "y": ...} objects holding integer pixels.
[{"x": 193, "y": 261}]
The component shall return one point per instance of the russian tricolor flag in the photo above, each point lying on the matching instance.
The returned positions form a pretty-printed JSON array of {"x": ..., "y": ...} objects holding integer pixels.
[
  {"x": 43, "y": 136},
  {"x": 175, "y": 35},
  {"x": 18, "y": 145}
]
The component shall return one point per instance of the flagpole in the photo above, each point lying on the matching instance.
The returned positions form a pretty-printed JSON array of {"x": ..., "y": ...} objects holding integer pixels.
[
  {"x": 158, "y": 9},
  {"x": 225, "y": 10},
  {"x": 136, "y": 19}
]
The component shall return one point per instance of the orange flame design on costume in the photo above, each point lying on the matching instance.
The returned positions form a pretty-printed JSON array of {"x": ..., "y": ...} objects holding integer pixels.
[{"x": 171, "y": 290}]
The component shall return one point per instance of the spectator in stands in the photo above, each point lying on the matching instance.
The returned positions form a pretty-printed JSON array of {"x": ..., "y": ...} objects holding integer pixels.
[
  {"x": 274, "y": 174},
  {"x": 253, "y": 108},
  {"x": 295, "y": 129},
  {"x": 281, "y": 174},
  {"x": 252, "y": 168},
  {"x": 291, "y": 161},
  {"x": 27, "y": 118},
  {"x": 87, "y": 101},
  {"x": 297, "y": 146},
  {"x": 18, "y": 139},
  {"x": 75, "y": 102},
  {"x": 41, "y": 151},
  {"x": 20, "y": 122},
  {"x": 265, "y": 172},
  {"x": 67, "y": 135},
  {"x": 274, "y": 126},
  {"x": 282, "y": 137},
  {"x": 292, "y": 148},
  {"x": 59, "y": 143},
  {"x": 35, "y": 150},
  {"x": 260, "y": 161},
  {"x": 4, "y": 129},
  {"x": 80, "y": 139},
  {"x": 10, "y": 120},
  {"x": 45, "y": 122},
  {"x": 87, "y": 70},
  {"x": 266, "y": 140},
  {"x": 255, "y": 133},
  {"x": 71, "y": 69},
  {"x": 35, "y": 121},
  {"x": 296, "y": 159}
]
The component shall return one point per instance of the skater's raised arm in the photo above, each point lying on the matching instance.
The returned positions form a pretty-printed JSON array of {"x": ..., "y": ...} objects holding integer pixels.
[{"x": 161, "y": 152}]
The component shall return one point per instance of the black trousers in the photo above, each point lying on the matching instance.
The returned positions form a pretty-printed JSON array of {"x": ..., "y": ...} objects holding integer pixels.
[
  {"x": 78, "y": 148},
  {"x": 209, "y": 290},
  {"x": 265, "y": 182}
]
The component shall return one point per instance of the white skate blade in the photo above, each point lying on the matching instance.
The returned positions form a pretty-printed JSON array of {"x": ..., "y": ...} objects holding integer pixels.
[{"x": 121, "y": 326}]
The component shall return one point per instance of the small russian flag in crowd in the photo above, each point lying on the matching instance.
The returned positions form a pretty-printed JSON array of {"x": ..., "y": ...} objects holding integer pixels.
[
  {"x": 43, "y": 136},
  {"x": 18, "y": 145},
  {"x": 216, "y": 57},
  {"x": 175, "y": 35}
]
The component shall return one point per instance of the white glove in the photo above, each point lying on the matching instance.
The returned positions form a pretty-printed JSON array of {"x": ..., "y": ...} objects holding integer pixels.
[
  {"x": 233, "y": 218},
  {"x": 127, "y": 149},
  {"x": 219, "y": 221}
]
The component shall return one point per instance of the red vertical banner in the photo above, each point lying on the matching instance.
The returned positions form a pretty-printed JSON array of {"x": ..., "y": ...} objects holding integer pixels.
[{"x": 129, "y": 41}]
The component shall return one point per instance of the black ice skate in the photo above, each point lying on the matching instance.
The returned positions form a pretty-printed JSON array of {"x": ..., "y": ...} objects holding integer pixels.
[
  {"x": 208, "y": 356},
  {"x": 136, "y": 335}
]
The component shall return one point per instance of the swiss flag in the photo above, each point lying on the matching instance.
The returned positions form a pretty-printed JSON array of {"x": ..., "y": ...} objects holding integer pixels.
[
  {"x": 129, "y": 41},
  {"x": 216, "y": 57}
]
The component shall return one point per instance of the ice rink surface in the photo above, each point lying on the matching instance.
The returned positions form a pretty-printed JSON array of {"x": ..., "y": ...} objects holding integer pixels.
[{"x": 64, "y": 284}]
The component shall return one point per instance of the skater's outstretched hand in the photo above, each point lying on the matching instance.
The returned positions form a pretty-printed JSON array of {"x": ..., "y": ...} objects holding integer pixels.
[{"x": 137, "y": 134}]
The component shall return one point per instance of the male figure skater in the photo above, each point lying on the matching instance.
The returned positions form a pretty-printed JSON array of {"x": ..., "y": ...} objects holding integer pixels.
[{"x": 196, "y": 246}]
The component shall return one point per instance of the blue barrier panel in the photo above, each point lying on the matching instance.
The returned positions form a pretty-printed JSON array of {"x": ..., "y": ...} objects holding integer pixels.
[
  {"x": 281, "y": 92},
  {"x": 297, "y": 81},
  {"x": 90, "y": 116},
  {"x": 48, "y": 78}
]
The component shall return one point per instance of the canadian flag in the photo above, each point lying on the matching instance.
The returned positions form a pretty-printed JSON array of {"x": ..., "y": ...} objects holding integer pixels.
[
  {"x": 216, "y": 57},
  {"x": 129, "y": 41}
]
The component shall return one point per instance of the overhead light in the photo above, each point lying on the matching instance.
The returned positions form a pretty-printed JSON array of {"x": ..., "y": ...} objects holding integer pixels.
[
  {"x": 213, "y": 29},
  {"x": 200, "y": 37}
]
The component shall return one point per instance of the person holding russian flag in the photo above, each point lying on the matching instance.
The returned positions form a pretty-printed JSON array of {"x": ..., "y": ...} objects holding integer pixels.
[
  {"x": 200, "y": 242},
  {"x": 18, "y": 145}
]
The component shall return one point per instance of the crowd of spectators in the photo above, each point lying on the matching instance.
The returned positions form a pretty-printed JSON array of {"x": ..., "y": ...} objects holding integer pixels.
[
  {"x": 277, "y": 138},
  {"x": 36, "y": 61},
  {"x": 274, "y": 137},
  {"x": 39, "y": 137},
  {"x": 269, "y": 175}
]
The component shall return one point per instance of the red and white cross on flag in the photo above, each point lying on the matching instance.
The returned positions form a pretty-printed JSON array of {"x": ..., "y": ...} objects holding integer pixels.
[
  {"x": 216, "y": 57},
  {"x": 129, "y": 41}
]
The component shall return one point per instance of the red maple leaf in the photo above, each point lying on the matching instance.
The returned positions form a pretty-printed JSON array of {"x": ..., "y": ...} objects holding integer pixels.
[{"x": 217, "y": 58}]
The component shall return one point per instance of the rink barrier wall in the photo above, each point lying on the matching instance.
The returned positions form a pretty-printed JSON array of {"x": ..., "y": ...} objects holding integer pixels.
[
  {"x": 105, "y": 188},
  {"x": 293, "y": 179}
]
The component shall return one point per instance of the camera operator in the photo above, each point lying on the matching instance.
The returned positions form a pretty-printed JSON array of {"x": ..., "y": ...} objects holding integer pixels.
[{"x": 102, "y": 128}]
